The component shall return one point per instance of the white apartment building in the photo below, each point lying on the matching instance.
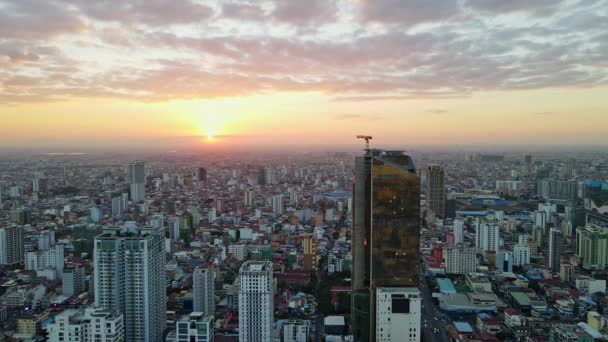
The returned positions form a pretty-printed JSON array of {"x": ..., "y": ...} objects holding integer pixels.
[
  {"x": 130, "y": 278},
  {"x": 89, "y": 325},
  {"x": 203, "y": 286},
  {"x": 194, "y": 327},
  {"x": 487, "y": 236},
  {"x": 296, "y": 331},
  {"x": 460, "y": 259},
  {"x": 256, "y": 302},
  {"x": 521, "y": 254}
]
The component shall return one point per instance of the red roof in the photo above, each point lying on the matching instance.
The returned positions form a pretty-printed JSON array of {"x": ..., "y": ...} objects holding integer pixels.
[
  {"x": 511, "y": 311},
  {"x": 575, "y": 293}
]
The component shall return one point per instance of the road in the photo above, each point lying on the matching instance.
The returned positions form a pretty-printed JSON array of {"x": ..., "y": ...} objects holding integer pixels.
[{"x": 433, "y": 321}]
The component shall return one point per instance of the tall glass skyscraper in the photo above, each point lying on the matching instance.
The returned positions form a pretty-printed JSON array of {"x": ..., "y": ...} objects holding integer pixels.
[{"x": 386, "y": 251}]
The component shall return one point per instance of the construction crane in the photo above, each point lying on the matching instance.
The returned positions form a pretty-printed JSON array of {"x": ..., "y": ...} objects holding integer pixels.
[{"x": 367, "y": 138}]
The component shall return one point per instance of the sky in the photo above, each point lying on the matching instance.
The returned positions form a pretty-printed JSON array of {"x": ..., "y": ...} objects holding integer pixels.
[{"x": 184, "y": 73}]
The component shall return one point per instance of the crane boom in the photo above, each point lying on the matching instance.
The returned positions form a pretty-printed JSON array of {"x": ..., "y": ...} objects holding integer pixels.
[{"x": 367, "y": 138}]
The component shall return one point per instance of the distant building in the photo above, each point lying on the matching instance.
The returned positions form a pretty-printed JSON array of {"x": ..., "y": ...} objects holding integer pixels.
[
  {"x": 565, "y": 272},
  {"x": 487, "y": 236},
  {"x": 73, "y": 281},
  {"x": 555, "y": 250},
  {"x": 557, "y": 189},
  {"x": 11, "y": 245},
  {"x": 204, "y": 290},
  {"x": 137, "y": 177},
  {"x": 460, "y": 259},
  {"x": 521, "y": 254},
  {"x": 296, "y": 331},
  {"x": 504, "y": 261},
  {"x": 195, "y": 327},
  {"x": 435, "y": 190},
  {"x": 309, "y": 245},
  {"x": 117, "y": 206},
  {"x": 249, "y": 198},
  {"x": 278, "y": 204},
  {"x": 458, "y": 231},
  {"x": 95, "y": 214},
  {"x": 592, "y": 247},
  {"x": 202, "y": 174}
]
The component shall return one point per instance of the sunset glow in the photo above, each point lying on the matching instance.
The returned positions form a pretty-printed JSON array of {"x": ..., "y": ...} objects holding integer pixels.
[{"x": 467, "y": 72}]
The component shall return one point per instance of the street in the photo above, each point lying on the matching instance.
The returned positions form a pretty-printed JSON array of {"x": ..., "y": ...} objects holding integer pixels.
[{"x": 433, "y": 321}]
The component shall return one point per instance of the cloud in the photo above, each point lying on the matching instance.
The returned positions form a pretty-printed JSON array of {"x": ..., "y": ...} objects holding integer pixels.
[
  {"x": 364, "y": 117},
  {"x": 408, "y": 12},
  {"x": 305, "y": 12},
  {"x": 353, "y": 51},
  {"x": 144, "y": 12},
  {"x": 501, "y": 6},
  {"x": 243, "y": 11},
  {"x": 32, "y": 19},
  {"x": 436, "y": 111}
]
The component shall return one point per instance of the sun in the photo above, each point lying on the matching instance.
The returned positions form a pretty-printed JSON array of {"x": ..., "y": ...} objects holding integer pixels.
[{"x": 210, "y": 135}]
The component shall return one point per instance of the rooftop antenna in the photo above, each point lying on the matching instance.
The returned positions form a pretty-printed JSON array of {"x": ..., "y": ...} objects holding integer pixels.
[{"x": 367, "y": 138}]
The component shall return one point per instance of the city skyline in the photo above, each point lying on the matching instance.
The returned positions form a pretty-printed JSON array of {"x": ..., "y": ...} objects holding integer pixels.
[{"x": 261, "y": 74}]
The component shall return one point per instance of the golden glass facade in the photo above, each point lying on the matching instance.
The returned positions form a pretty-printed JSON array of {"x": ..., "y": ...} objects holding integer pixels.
[
  {"x": 386, "y": 218},
  {"x": 395, "y": 226}
]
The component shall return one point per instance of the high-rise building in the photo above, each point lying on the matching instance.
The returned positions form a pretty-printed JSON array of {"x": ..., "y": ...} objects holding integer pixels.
[
  {"x": 40, "y": 185},
  {"x": 256, "y": 302},
  {"x": 592, "y": 247},
  {"x": 46, "y": 239},
  {"x": 204, "y": 290},
  {"x": 137, "y": 177},
  {"x": 49, "y": 258},
  {"x": 521, "y": 254},
  {"x": 294, "y": 198},
  {"x": 565, "y": 272},
  {"x": 309, "y": 245},
  {"x": 278, "y": 204},
  {"x": 96, "y": 214},
  {"x": 270, "y": 175},
  {"x": 73, "y": 281},
  {"x": 435, "y": 190},
  {"x": 249, "y": 198},
  {"x": 458, "y": 231},
  {"x": 261, "y": 176},
  {"x": 540, "y": 219},
  {"x": 460, "y": 259},
  {"x": 504, "y": 261},
  {"x": 194, "y": 327},
  {"x": 130, "y": 278},
  {"x": 117, "y": 208},
  {"x": 386, "y": 256},
  {"x": 557, "y": 189},
  {"x": 11, "y": 245},
  {"x": 202, "y": 174},
  {"x": 487, "y": 236},
  {"x": 555, "y": 250}
]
